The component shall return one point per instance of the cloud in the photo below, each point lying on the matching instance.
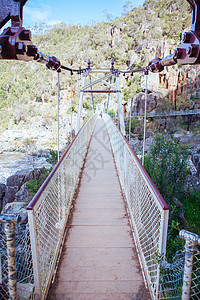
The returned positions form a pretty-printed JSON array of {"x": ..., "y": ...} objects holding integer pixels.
[
  {"x": 35, "y": 14},
  {"x": 39, "y": 14}
]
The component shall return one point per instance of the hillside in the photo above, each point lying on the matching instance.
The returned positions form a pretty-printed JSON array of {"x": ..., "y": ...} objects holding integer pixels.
[{"x": 28, "y": 91}]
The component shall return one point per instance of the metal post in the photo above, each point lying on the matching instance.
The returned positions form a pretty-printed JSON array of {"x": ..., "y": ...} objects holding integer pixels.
[
  {"x": 162, "y": 243},
  {"x": 80, "y": 105},
  {"x": 191, "y": 240},
  {"x": 145, "y": 118},
  {"x": 35, "y": 253},
  {"x": 10, "y": 221},
  {"x": 58, "y": 115},
  {"x": 120, "y": 112}
]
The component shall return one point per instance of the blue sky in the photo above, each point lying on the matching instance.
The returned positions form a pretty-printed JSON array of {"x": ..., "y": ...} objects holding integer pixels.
[{"x": 77, "y": 12}]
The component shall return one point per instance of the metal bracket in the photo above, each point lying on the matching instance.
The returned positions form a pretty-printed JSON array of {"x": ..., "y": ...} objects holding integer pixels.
[
  {"x": 189, "y": 50},
  {"x": 16, "y": 41}
]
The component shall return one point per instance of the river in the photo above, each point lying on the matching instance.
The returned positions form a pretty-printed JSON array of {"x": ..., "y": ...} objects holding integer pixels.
[{"x": 11, "y": 162}]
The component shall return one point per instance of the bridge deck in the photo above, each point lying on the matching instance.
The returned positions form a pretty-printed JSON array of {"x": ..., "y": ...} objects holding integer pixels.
[{"x": 99, "y": 260}]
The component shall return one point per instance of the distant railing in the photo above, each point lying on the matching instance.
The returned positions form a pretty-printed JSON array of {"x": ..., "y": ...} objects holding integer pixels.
[
  {"x": 148, "y": 210},
  {"x": 49, "y": 210},
  {"x": 169, "y": 114}
]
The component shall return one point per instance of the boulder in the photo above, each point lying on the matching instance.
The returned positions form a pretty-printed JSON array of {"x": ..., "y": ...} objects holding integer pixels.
[
  {"x": 179, "y": 134},
  {"x": 152, "y": 100},
  {"x": 15, "y": 180},
  {"x": 10, "y": 194},
  {"x": 191, "y": 165},
  {"x": 22, "y": 195},
  {"x": 190, "y": 140},
  {"x": 43, "y": 153},
  {"x": 2, "y": 194},
  {"x": 33, "y": 174},
  {"x": 136, "y": 145},
  {"x": 195, "y": 158},
  {"x": 2, "y": 190}
]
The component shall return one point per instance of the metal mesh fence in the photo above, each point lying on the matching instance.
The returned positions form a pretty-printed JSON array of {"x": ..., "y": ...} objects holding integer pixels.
[
  {"x": 4, "y": 292},
  {"x": 195, "y": 283},
  {"x": 51, "y": 208},
  {"x": 24, "y": 266},
  {"x": 171, "y": 277},
  {"x": 23, "y": 262},
  {"x": 148, "y": 211}
]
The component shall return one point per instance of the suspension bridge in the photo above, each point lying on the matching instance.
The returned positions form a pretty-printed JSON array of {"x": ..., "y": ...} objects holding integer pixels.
[
  {"x": 97, "y": 230},
  {"x": 97, "y": 227}
]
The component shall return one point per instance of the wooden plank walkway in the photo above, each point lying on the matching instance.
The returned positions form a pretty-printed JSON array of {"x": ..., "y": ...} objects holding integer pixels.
[{"x": 99, "y": 260}]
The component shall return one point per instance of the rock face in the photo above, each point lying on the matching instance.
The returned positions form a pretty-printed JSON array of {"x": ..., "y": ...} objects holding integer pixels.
[
  {"x": 16, "y": 190},
  {"x": 22, "y": 195},
  {"x": 2, "y": 194},
  {"x": 15, "y": 196},
  {"x": 152, "y": 100}
]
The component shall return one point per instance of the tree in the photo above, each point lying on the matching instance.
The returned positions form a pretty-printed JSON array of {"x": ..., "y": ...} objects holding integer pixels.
[{"x": 126, "y": 8}]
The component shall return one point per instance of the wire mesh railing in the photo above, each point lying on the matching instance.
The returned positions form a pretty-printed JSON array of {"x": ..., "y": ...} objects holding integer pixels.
[
  {"x": 171, "y": 277},
  {"x": 49, "y": 210},
  {"x": 195, "y": 281},
  {"x": 181, "y": 278},
  {"x": 148, "y": 211}
]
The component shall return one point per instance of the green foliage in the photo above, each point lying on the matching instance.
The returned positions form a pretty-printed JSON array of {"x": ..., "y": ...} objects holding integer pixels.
[
  {"x": 167, "y": 166},
  {"x": 34, "y": 184},
  {"x": 53, "y": 157},
  {"x": 192, "y": 210},
  {"x": 166, "y": 163}
]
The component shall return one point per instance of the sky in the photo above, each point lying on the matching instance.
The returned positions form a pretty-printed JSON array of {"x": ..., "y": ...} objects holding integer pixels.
[{"x": 77, "y": 12}]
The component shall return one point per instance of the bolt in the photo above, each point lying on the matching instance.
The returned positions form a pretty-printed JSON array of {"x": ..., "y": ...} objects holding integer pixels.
[
  {"x": 191, "y": 51},
  {"x": 187, "y": 37},
  {"x": 32, "y": 50},
  {"x": 179, "y": 53},
  {"x": 152, "y": 68},
  {"x": 89, "y": 64},
  {"x": 26, "y": 35},
  {"x": 20, "y": 48}
]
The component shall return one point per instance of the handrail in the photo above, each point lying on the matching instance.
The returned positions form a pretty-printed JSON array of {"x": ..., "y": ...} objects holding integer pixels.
[
  {"x": 147, "y": 208},
  {"x": 148, "y": 178},
  {"x": 49, "y": 210}
]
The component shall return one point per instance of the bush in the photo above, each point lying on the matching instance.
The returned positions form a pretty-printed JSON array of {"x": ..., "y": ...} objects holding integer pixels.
[
  {"x": 34, "y": 184},
  {"x": 166, "y": 164}
]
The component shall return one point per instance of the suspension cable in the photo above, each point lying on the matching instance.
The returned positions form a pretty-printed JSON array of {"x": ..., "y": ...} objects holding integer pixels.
[
  {"x": 71, "y": 107},
  {"x": 58, "y": 116},
  {"x": 92, "y": 96},
  {"x": 145, "y": 118},
  {"x": 130, "y": 108},
  {"x": 123, "y": 101},
  {"x": 109, "y": 95}
]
